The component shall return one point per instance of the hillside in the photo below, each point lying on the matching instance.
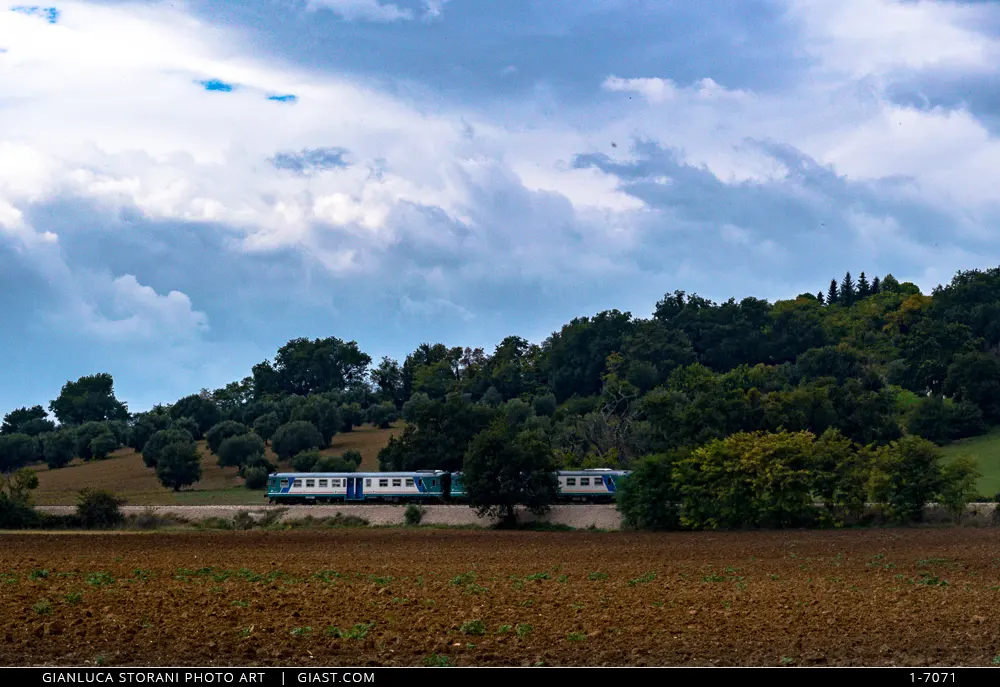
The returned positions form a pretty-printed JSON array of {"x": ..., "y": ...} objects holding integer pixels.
[
  {"x": 986, "y": 452},
  {"x": 124, "y": 473}
]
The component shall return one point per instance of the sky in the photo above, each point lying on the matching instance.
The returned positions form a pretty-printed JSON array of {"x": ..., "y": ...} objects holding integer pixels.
[{"x": 186, "y": 186}]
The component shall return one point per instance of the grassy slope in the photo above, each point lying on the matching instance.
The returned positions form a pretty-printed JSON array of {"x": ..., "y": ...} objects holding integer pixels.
[
  {"x": 125, "y": 474},
  {"x": 986, "y": 450}
]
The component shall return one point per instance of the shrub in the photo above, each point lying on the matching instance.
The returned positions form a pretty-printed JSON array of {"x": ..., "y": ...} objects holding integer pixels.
[
  {"x": 178, "y": 465},
  {"x": 98, "y": 508},
  {"x": 306, "y": 461},
  {"x": 258, "y": 461},
  {"x": 59, "y": 448},
  {"x": 266, "y": 425},
  {"x": 647, "y": 499},
  {"x": 16, "y": 451},
  {"x": 353, "y": 456},
  {"x": 351, "y": 416},
  {"x": 295, "y": 437},
  {"x": 333, "y": 464},
  {"x": 154, "y": 447},
  {"x": 102, "y": 445},
  {"x": 237, "y": 451},
  {"x": 187, "y": 424},
  {"x": 86, "y": 433},
  {"x": 222, "y": 431},
  {"x": 414, "y": 514},
  {"x": 255, "y": 477}
]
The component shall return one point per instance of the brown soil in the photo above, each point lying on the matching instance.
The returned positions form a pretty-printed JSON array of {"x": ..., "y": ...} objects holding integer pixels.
[{"x": 909, "y": 597}]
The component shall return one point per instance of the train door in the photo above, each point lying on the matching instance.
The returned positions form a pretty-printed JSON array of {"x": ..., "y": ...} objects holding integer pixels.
[
  {"x": 359, "y": 488},
  {"x": 446, "y": 486}
]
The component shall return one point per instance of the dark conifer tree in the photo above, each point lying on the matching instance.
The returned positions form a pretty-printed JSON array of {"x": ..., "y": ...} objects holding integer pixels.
[
  {"x": 876, "y": 285},
  {"x": 863, "y": 287},
  {"x": 820, "y": 297},
  {"x": 831, "y": 294},
  {"x": 847, "y": 292}
]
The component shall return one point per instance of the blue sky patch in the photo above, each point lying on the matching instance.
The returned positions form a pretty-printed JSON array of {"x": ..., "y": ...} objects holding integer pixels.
[
  {"x": 49, "y": 13},
  {"x": 216, "y": 85},
  {"x": 283, "y": 98}
]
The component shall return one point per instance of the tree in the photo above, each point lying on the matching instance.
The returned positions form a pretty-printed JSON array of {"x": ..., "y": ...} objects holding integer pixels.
[
  {"x": 295, "y": 437},
  {"x": 255, "y": 477},
  {"x": 382, "y": 415},
  {"x": 17, "y": 451},
  {"x": 847, "y": 290},
  {"x": 304, "y": 367},
  {"x": 544, "y": 405},
  {"x": 353, "y": 456},
  {"x": 323, "y": 414},
  {"x": 388, "y": 379},
  {"x": 15, "y": 499},
  {"x": 864, "y": 289},
  {"x": 820, "y": 297},
  {"x": 15, "y": 420},
  {"x": 876, "y": 286},
  {"x": 145, "y": 425},
  {"x": 188, "y": 424},
  {"x": 178, "y": 465},
  {"x": 503, "y": 469},
  {"x": 647, "y": 498},
  {"x": 154, "y": 447},
  {"x": 222, "y": 431},
  {"x": 266, "y": 425},
  {"x": 238, "y": 450},
  {"x": 102, "y": 445},
  {"x": 351, "y": 416},
  {"x": 59, "y": 448},
  {"x": 98, "y": 508},
  {"x": 958, "y": 484},
  {"x": 201, "y": 409},
  {"x": 89, "y": 399},
  {"x": 305, "y": 461},
  {"x": 85, "y": 435},
  {"x": 333, "y": 464},
  {"x": 831, "y": 295},
  {"x": 907, "y": 475}
]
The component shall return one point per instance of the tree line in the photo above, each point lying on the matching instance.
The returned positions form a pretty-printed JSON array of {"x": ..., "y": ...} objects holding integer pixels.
[{"x": 877, "y": 364}]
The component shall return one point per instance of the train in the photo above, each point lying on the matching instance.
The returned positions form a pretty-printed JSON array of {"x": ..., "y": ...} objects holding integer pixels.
[{"x": 596, "y": 485}]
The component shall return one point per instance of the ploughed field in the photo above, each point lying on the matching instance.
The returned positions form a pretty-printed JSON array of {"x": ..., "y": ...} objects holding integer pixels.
[{"x": 361, "y": 597}]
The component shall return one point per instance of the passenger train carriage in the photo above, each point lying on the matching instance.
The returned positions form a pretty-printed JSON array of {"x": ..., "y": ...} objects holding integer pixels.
[{"x": 428, "y": 486}]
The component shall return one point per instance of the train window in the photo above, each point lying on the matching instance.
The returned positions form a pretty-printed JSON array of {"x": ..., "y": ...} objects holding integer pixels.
[
  {"x": 584, "y": 481},
  {"x": 310, "y": 483},
  {"x": 409, "y": 482},
  {"x": 383, "y": 482},
  {"x": 368, "y": 482},
  {"x": 434, "y": 482},
  {"x": 284, "y": 484},
  {"x": 397, "y": 482},
  {"x": 571, "y": 481}
]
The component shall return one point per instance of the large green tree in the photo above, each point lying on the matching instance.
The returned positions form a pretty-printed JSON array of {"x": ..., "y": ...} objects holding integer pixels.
[
  {"x": 504, "y": 469},
  {"x": 88, "y": 399}
]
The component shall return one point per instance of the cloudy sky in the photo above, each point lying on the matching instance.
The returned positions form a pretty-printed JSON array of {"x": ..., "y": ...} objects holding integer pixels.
[{"x": 186, "y": 186}]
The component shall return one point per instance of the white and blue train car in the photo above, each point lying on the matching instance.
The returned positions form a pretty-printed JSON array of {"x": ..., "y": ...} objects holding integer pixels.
[
  {"x": 595, "y": 485},
  {"x": 333, "y": 487}
]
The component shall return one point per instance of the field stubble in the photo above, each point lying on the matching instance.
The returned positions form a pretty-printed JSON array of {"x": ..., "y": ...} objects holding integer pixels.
[{"x": 363, "y": 597}]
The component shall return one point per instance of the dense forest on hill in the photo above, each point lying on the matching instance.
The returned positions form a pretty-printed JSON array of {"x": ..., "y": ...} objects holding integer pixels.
[{"x": 875, "y": 363}]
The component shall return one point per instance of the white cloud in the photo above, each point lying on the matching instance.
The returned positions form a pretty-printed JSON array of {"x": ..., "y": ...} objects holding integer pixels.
[
  {"x": 127, "y": 311},
  {"x": 371, "y": 10},
  {"x": 655, "y": 90},
  {"x": 863, "y": 37}
]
